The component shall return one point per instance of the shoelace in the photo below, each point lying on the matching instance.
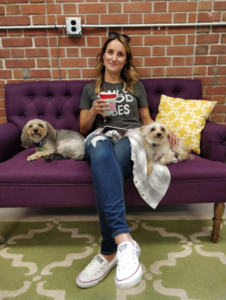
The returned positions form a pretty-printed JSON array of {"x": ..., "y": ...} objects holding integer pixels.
[
  {"x": 96, "y": 269},
  {"x": 127, "y": 257}
]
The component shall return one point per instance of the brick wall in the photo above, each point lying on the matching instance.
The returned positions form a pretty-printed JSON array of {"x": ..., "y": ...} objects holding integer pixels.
[{"x": 183, "y": 52}]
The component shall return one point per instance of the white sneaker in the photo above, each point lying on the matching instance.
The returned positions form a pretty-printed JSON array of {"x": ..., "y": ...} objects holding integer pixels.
[
  {"x": 96, "y": 271},
  {"x": 136, "y": 245},
  {"x": 129, "y": 271}
]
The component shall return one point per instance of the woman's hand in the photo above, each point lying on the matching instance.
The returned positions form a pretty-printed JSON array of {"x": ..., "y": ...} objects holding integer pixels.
[
  {"x": 173, "y": 139},
  {"x": 88, "y": 116},
  {"x": 99, "y": 106}
]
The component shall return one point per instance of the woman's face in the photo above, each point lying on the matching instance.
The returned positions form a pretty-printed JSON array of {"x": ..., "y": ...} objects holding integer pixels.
[{"x": 114, "y": 57}]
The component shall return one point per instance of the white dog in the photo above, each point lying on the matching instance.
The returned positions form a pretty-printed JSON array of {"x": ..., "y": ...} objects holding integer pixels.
[
  {"x": 156, "y": 144},
  {"x": 52, "y": 144}
]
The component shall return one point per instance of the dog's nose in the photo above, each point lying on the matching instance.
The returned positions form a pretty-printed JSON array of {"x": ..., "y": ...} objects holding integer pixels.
[
  {"x": 158, "y": 134},
  {"x": 35, "y": 130}
]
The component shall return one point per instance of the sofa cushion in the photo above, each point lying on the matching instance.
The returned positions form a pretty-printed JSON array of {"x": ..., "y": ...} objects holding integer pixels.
[
  {"x": 18, "y": 170},
  {"x": 192, "y": 181},
  {"x": 69, "y": 183},
  {"x": 39, "y": 183}
]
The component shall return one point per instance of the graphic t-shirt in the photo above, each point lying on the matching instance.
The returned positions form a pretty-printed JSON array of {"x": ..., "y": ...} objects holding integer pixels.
[{"x": 127, "y": 105}]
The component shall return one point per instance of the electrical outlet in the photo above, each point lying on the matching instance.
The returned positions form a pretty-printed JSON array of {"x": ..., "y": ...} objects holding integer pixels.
[{"x": 73, "y": 27}]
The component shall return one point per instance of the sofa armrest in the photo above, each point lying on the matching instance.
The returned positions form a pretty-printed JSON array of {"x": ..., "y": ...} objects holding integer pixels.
[
  {"x": 10, "y": 143},
  {"x": 213, "y": 142}
]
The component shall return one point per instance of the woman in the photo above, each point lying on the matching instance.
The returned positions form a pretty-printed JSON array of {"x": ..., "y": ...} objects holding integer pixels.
[{"x": 111, "y": 163}]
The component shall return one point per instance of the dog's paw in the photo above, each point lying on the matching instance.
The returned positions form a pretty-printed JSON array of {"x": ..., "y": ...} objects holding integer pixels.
[
  {"x": 163, "y": 161},
  {"x": 31, "y": 158},
  {"x": 149, "y": 169},
  {"x": 185, "y": 156}
]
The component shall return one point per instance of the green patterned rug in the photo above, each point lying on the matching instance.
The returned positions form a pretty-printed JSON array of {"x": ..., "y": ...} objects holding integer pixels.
[{"x": 40, "y": 259}]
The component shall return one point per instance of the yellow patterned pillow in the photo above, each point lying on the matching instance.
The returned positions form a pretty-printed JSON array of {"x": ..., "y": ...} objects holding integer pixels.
[{"x": 186, "y": 118}]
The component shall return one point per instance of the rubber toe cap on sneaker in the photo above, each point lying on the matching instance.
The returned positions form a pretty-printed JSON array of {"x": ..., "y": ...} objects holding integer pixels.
[
  {"x": 129, "y": 282},
  {"x": 83, "y": 277},
  {"x": 123, "y": 275}
]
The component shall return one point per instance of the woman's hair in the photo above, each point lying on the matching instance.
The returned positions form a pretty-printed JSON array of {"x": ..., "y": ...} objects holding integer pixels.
[{"x": 128, "y": 73}]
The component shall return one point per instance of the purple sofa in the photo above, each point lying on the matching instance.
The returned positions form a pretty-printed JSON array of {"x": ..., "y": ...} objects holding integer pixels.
[{"x": 68, "y": 183}]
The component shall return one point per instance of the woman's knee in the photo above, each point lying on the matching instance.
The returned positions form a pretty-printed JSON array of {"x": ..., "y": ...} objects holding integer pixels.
[{"x": 97, "y": 145}]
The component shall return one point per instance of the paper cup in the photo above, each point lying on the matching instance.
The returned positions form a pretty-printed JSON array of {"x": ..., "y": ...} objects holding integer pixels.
[{"x": 110, "y": 99}]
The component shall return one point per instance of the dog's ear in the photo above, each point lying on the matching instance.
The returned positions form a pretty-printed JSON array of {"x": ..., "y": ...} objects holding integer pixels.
[
  {"x": 25, "y": 138},
  {"x": 143, "y": 129},
  {"x": 51, "y": 132}
]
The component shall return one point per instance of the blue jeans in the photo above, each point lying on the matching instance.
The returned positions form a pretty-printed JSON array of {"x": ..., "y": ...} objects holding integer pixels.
[{"x": 110, "y": 163}]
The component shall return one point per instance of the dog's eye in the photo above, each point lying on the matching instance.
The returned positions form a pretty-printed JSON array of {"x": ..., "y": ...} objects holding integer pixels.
[
  {"x": 163, "y": 129},
  {"x": 30, "y": 126},
  {"x": 40, "y": 125},
  {"x": 153, "y": 129}
]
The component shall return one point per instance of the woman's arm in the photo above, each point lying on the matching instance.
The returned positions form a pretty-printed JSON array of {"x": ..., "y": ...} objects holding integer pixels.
[
  {"x": 145, "y": 116},
  {"x": 87, "y": 119}
]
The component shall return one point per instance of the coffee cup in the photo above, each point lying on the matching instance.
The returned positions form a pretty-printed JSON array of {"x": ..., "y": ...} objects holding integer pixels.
[{"x": 110, "y": 99}]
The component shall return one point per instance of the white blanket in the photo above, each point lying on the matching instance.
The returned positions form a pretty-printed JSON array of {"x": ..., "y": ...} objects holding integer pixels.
[{"x": 151, "y": 187}]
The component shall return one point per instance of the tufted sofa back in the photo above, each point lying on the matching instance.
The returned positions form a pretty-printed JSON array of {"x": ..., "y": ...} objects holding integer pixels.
[
  {"x": 54, "y": 101},
  {"x": 173, "y": 87},
  {"x": 58, "y": 101}
]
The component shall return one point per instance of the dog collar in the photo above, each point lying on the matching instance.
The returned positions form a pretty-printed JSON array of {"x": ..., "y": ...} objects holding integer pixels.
[{"x": 43, "y": 141}]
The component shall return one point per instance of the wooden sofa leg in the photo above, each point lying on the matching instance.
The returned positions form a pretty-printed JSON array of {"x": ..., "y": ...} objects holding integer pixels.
[{"x": 217, "y": 220}]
